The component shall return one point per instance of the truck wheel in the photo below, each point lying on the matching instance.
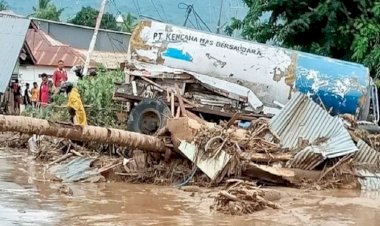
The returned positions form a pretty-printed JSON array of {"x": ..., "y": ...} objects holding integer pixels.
[
  {"x": 148, "y": 116},
  {"x": 370, "y": 128}
]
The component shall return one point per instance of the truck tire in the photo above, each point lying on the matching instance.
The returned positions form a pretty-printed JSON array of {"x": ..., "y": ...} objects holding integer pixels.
[
  {"x": 148, "y": 116},
  {"x": 370, "y": 128}
]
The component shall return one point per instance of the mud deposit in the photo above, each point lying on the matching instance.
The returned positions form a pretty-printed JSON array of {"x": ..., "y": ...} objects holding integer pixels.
[{"x": 26, "y": 199}]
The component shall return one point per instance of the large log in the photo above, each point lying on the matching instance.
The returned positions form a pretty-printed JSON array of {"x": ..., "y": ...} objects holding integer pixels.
[{"x": 88, "y": 133}]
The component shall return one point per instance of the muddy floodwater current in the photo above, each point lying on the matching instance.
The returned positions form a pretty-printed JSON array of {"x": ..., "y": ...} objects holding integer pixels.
[{"x": 26, "y": 198}]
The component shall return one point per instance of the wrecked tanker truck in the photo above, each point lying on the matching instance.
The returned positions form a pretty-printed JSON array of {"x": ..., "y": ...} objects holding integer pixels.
[{"x": 174, "y": 69}]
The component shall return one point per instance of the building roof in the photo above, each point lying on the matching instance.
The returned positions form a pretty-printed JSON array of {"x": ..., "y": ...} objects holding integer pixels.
[
  {"x": 12, "y": 35},
  {"x": 109, "y": 60},
  {"x": 10, "y": 13},
  {"x": 47, "y": 52},
  {"x": 79, "y": 26}
]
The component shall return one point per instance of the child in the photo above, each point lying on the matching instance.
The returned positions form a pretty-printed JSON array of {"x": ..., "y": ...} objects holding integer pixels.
[{"x": 35, "y": 94}]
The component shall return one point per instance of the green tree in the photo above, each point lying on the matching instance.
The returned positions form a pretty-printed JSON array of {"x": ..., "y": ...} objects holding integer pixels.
[
  {"x": 347, "y": 30},
  {"x": 87, "y": 17},
  {"x": 129, "y": 23},
  {"x": 47, "y": 10},
  {"x": 3, "y": 5}
]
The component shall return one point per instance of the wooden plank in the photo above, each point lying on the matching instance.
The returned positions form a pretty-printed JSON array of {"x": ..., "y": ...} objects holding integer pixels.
[
  {"x": 178, "y": 112},
  {"x": 179, "y": 97},
  {"x": 153, "y": 83},
  {"x": 232, "y": 120},
  {"x": 172, "y": 104}
]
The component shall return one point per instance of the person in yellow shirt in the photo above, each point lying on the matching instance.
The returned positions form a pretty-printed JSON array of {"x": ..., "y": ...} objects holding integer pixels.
[
  {"x": 35, "y": 94},
  {"x": 74, "y": 104}
]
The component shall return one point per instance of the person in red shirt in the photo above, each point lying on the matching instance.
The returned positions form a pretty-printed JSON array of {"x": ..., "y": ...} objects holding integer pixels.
[
  {"x": 44, "y": 90},
  {"x": 59, "y": 76}
]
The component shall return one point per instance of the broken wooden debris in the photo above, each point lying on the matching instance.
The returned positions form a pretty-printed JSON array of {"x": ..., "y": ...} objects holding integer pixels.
[
  {"x": 210, "y": 166},
  {"x": 270, "y": 174},
  {"x": 242, "y": 198},
  {"x": 180, "y": 100}
]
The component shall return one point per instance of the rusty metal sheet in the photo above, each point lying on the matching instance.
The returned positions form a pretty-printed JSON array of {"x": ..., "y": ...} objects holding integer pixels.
[
  {"x": 301, "y": 118},
  {"x": 47, "y": 51}
]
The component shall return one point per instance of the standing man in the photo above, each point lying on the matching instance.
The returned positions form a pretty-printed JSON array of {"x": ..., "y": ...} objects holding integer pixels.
[{"x": 59, "y": 76}]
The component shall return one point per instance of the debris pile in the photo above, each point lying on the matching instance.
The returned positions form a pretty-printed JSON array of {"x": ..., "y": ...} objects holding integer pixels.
[
  {"x": 302, "y": 146},
  {"x": 241, "y": 197}
]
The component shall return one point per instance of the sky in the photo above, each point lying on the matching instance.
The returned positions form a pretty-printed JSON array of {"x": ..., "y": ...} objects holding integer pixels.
[{"x": 171, "y": 11}]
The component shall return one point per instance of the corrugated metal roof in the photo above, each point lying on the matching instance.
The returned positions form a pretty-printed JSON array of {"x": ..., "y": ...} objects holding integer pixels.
[
  {"x": 307, "y": 159},
  {"x": 368, "y": 180},
  {"x": 48, "y": 51},
  {"x": 303, "y": 118},
  {"x": 10, "y": 13},
  {"x": 12, "y": 35},
  {"x": 75, "y": 170},
  {"x": 366, "y": 155}
]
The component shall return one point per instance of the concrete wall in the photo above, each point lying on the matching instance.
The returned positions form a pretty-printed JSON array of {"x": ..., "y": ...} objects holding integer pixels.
[{"x": 80, "y": 36}]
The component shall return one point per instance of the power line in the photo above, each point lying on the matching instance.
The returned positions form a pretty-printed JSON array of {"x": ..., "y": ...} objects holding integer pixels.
[
  {"x": 136, "y": 6},
  {"x": 190, "y": 9},
  {"x": 155, "y": 8},
  {"x": 163, "y": 10}
]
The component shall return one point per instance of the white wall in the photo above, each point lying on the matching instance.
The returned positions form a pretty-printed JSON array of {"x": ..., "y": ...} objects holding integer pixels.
[{"x": 29, "y": 74}]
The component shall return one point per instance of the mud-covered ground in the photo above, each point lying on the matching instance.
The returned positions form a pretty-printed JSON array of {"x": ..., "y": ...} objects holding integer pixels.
[{"x": 26, "y": 199}]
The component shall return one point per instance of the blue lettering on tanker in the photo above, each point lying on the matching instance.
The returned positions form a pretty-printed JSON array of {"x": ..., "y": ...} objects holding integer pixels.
[
  {"x": 178, "y": 54},
  {"x": 338, "y": 84}
]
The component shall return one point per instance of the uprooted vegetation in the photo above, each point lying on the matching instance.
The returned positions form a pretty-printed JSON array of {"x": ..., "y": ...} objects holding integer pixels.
[{"x": 241, "y": 197}]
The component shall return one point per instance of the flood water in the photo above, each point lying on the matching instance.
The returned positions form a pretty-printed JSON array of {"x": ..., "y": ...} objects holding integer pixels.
[{"x": 26, "y": 199}]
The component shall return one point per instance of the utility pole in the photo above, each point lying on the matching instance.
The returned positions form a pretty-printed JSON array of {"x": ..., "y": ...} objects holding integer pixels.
[
  {"x": 220, "y": 16},
  {"x": 94, "y": 36}
]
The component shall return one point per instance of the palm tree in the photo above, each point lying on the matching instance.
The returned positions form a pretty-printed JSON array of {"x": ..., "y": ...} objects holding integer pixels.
[
  {"x": 3, "y": 5},
  {"x": 129, "y": 23},
  {"x": 47, "y": 10}
]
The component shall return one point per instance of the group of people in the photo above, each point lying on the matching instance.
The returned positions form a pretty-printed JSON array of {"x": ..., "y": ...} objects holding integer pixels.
[{"x": 41, "y": 96}]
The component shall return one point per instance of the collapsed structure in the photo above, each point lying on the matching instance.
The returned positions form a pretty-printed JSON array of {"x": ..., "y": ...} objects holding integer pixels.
[{"x": 286, "y": 129}]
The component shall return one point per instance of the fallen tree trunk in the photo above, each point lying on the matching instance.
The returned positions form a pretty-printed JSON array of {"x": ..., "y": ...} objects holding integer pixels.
[{"x": 88, "y": 133}]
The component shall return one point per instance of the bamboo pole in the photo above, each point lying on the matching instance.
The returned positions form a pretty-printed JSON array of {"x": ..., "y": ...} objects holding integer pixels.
[{"x": 30, "y": 125}]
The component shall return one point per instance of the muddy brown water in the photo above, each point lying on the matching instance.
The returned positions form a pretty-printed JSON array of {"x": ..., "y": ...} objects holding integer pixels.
[{"x": 26, "y": 199}]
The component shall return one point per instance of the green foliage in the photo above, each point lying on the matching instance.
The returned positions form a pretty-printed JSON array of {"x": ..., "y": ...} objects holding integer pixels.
[
  {"x": 129, "y": 23},
  {"x": 96, "y": 94},
  {"x": 47, "y": 10},
  {"x": 3, "y": 5},
  {"x": 87, "y": 17},
  {"x": 347, "y": 30}
]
